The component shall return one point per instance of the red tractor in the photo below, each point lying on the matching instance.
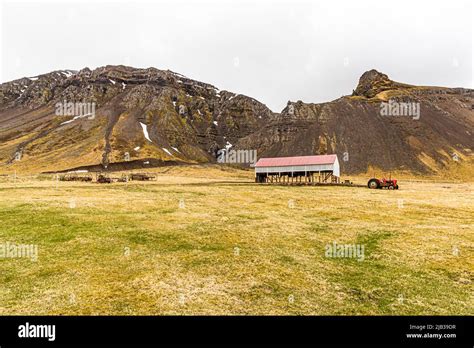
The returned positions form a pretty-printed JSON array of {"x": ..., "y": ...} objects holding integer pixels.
[{"x": 390, "y": 184}]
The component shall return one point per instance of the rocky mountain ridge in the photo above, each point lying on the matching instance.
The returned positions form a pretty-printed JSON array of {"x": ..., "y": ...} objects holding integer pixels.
[{"x": 150, "y": 117}]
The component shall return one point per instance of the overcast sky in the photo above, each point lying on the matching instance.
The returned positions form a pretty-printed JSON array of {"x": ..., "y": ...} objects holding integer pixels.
[{"x": 274, "y": 51}]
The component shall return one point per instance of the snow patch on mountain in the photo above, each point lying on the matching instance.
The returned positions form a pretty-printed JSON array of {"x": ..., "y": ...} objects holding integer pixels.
[{"x": 145, "y": 131}]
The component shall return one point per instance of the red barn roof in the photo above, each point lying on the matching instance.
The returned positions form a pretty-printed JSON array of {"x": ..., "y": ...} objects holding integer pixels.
[{"x": 296, "y": 161}]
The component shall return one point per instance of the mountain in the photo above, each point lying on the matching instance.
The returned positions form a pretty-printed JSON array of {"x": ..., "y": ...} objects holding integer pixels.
[
  {"x": 355, "y": 128},
  {"x": 155, "y": 116},
  {"x": 150, "y": 117}
]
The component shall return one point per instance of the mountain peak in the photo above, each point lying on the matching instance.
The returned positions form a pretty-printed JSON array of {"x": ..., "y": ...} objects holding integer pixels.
[
  {"x": 373, "y": 74},
  {"x": 373, "y": 82}
]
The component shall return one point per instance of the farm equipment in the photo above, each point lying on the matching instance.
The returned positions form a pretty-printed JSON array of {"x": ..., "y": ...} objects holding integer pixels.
[
  {"x": 102, "y": 179},
  {"x": 390, "y": 184},
  {"x": 74, "y": 177},
  {"x": 123, "y": 178},
  {"x": 141, "y": 177}
]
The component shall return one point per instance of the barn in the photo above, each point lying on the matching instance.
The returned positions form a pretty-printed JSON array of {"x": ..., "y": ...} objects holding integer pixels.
[{"x": 299, "y": 169}]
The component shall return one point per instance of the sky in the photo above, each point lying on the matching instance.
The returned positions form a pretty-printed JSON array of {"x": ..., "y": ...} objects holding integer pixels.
[{"x": 273, "y": 51}]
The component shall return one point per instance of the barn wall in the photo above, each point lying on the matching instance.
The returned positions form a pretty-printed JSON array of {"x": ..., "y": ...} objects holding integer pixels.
[
  {"x": 313, "y": 168},
  {"x": 337, "y": 169}
]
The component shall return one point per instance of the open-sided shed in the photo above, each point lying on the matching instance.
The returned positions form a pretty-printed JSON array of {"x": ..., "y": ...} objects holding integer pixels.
[{"x": 311, "y": 169}]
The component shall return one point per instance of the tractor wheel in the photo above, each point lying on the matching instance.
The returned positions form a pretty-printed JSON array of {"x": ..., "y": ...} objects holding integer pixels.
[
  {"x": 373, "y": 184},
  {"x": 396, "y": 187},
  {"x": 391, "y": 187}
]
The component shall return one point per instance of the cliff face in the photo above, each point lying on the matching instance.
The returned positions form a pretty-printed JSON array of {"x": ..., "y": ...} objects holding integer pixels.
[
  {"x": 140, "y": 114},
  {"x": 149, "y": 116}
]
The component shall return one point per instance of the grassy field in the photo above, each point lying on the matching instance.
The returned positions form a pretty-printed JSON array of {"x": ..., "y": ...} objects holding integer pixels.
[{"x": 209, "y": 241}]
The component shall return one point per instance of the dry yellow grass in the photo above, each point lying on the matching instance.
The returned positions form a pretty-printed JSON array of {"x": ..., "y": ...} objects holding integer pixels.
[{"x": 206, "y": 240}]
